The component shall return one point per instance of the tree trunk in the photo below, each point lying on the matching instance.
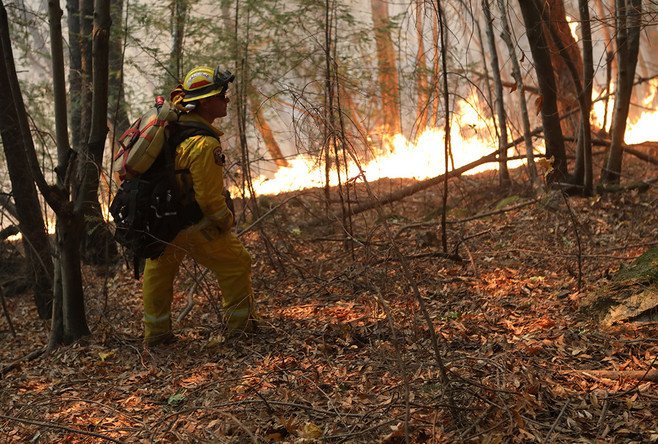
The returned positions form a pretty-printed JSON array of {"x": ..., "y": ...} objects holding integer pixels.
[
  {"x": 86, "y": 57},
  {"x": 117, "y": 107},
  {"x": 356, "y": 120},
  {"x": 71, "y": 317},
  {"x": 74, "y": 320},
  {"x": 75, "y": 71},
  {"x": 98, "y": 244},
  {"x": 422, "y": 87},
  {"x": 28, "y": 210},
  {"x": 584, "y": 155},
  {"x": 532, "y": 18},
  {"x": 604, "y": 17},
  {"x": 556, "y": 25},
  {"x": 518, "y": 77},
  {"x": 501, "y": 130},
  {"x": 629, "y": 16},
  {"x": 434, "y": 84},
  {"x": 264, "y": 128},
  {"x": 447, "y": 142},
  {"x": 178, "y": 10},
  {"x": 574, "y": 68},
  {"x": 387, "y": 68}
]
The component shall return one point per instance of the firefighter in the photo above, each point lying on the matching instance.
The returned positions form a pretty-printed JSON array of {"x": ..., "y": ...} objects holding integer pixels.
[{"x": 211, "y": 242}]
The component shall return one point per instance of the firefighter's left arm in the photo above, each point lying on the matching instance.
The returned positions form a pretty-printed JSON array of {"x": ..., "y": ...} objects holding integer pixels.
[{"x": 207, "y": 171}]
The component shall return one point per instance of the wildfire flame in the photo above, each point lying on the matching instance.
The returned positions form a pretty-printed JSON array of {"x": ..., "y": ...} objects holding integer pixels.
[
  {"x": 640, "y": 127},
  {"x": 471, "y": 139}
]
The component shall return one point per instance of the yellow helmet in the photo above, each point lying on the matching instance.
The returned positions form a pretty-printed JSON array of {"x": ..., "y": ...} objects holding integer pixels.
[{"x": 203, "y": 81}]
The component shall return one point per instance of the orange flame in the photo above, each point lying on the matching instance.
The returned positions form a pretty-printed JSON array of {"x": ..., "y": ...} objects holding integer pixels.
[{"x": 421, "y": 159}]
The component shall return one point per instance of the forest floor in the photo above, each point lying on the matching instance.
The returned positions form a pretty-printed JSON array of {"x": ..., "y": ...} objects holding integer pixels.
[{"x": 345, "y": 353}]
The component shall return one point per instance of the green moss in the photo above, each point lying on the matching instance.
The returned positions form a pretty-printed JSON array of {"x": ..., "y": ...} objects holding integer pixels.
[
  {"x": 644, "y": 270},
  {"x": 630, "y": 295},
  {"x": 506, "y": 202}
]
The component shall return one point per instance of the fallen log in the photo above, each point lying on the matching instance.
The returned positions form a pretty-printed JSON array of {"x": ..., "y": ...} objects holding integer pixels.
[
  {"x": 631, "y": 149},
  {"x": 639, "y": 154},
  {"x": 406, "y": 191}
]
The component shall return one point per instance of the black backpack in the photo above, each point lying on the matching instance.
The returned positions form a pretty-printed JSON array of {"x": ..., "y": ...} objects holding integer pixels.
[{"x": 148, "y": 210}]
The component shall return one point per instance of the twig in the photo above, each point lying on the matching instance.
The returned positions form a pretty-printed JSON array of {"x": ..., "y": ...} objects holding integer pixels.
[
  {"x": 574, "y": 222},
  {"x": 452, "y": 257},
  {"x": 604, "y": 410},
  {"x": 270, "y": 409},
  {"x": 29, "y": 357},
  {"x": 476, "y": 422},
  {"x": 467, "y": 219},
  {"x": 495, "y": 212},
  {"x": 626, "y": 247},
  {"x": 639, "y": 375},
  {"x": 242, "y": 426},
  {"x": 190, "y": 302},
  {"x": 360, "y": 432},
  {"x": 270, "y": 211},
  {"x": 557, "y": 420},
  {"x": 61, "y": 427}
]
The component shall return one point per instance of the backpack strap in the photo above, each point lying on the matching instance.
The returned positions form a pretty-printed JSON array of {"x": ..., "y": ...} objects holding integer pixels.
[
  {"x": 181, "y": 131},
  {"x": 184, "y": 130}
]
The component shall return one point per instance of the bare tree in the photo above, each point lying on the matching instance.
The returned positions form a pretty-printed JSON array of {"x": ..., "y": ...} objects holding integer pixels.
[
  {"x": 16, "y": 141},
  {"x": 117, "y": 108},
  {"x": 629, "y": 20},
  {"x": 501, "y": 129},
  {"x": 564, "y": 51},
  {"x": 389, "y": 84},
  {"x": 547, "y": 102},
  {"x": 422, "y": 87},
  {"x": 69, "y": 319},
  {"x": 506, "y": 35},
  {"x": 583, "y": 172}
]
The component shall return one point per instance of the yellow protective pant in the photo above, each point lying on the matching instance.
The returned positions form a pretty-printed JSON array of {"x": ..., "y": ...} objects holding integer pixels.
[{"x": 223, "y": 254}]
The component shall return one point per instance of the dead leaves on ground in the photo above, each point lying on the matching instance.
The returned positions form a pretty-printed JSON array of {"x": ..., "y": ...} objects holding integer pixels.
[{"x": 329, "y": 364}]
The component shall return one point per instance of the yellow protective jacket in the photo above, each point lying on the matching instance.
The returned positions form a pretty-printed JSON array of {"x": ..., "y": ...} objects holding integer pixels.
[
  {"x": 203, "y": 158},
  {"x": 210, "y": 242}
]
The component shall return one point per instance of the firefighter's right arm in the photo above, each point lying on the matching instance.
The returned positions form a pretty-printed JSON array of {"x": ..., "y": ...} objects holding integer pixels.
[{"x": 207, "y": 171}]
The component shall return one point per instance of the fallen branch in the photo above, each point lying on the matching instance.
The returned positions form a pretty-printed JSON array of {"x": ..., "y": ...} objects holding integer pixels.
[
  {"x": 432, "y": 223},
  {"x": 640, "y": 375},
  {"x": 639, "y": 154},
  {"x": 405, "y": 192},
  {"x": 61, "y": 427},
  {"x": 642, "y": 186},
  {"x": 631, "y": 149},
  {"x": 453, "y": 257},
  {"x": 555, "y": 423}
]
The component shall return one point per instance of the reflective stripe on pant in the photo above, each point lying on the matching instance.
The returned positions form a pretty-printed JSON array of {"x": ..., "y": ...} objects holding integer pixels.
[{"x": 223, "y": 254}]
